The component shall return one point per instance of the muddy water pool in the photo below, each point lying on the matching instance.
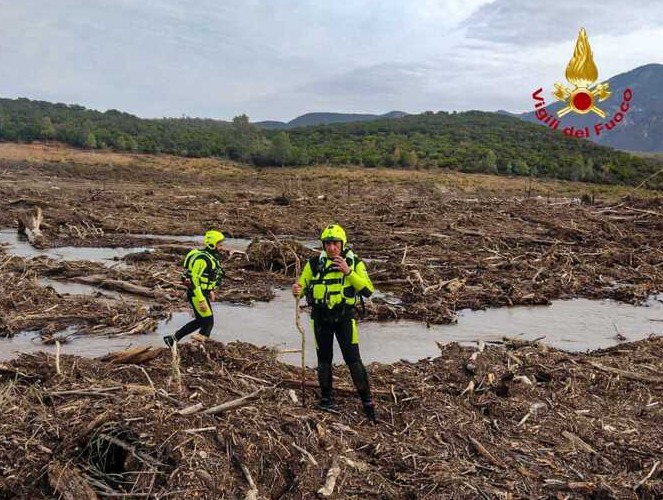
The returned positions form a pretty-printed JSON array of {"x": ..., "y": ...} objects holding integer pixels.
[{"x": 573, "y": 325}]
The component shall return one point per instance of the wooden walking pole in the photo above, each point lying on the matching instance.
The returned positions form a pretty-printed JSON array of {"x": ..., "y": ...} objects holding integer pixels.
[{"x": 303, "y": 335}]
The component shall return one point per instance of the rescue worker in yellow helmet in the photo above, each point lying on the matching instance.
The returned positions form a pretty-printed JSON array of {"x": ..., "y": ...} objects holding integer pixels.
[
  {"x": 202, "y": 274},
  {"x": 333, "y": 282}
]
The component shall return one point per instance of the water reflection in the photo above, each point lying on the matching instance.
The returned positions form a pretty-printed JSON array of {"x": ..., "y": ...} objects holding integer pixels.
[
  {"x": 574, "y": 325},
  {"x": 68, "y": 287},
  {"x": 18, "y": 246},
  {"x": 22, "y": 248}
]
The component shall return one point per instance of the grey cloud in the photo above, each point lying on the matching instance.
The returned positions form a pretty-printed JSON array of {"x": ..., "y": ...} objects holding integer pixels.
[
  {"x": 277, "y": 59},
  {"x": 525, "y": 21},
  {"x": 458, "y": 83}
]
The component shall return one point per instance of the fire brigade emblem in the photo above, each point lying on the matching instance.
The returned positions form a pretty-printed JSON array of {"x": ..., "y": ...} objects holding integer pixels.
[{"x": 581, "y": 73}]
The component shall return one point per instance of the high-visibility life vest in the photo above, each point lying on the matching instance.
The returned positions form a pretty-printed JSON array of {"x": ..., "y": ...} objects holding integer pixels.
[
  {"x": 212, "y": 274},
  {"x": 328, "y": 287}
]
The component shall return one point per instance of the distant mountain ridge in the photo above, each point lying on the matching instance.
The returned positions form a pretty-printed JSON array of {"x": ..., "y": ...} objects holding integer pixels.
[
  {"x": 641, "y": 128},
  {"x": 312, "y": 119}
]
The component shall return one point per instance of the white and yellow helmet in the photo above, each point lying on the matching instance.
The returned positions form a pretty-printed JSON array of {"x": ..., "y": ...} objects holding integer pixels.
[{"x": 212, "y": 237}]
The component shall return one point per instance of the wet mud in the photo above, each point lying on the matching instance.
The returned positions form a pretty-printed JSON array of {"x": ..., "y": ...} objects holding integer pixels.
[
  {"x": 511, "y": 420},
  {"x": 435, "y": 243}
]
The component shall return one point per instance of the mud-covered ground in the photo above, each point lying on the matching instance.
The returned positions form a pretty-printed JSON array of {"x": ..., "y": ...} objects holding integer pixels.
[
  {"x": 516, "y": 420},
  {"x": 435, "y": 242}
]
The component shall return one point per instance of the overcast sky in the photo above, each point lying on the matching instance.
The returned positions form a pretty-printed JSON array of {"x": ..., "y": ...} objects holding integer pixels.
[{"x": 277, "y": 59}]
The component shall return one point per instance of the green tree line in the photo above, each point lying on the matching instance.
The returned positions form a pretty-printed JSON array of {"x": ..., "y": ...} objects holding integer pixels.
[{"x": 470, "y": 142}]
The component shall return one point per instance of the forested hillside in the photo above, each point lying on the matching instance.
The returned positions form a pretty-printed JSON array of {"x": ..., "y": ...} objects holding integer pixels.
[{"x": 471, "y": 142}]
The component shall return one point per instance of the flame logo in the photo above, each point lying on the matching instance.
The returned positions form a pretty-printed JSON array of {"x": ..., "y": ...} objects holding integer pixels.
[{"x": 581, "y": 72}]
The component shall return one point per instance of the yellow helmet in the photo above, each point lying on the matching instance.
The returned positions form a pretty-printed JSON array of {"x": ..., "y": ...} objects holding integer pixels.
[
  {"x": 334, "y": 232},
  {"x": 212, "y": 237}
]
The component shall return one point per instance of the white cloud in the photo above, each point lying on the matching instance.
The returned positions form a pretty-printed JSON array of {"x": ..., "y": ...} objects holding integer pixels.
[{"x": 277, "y": 59}]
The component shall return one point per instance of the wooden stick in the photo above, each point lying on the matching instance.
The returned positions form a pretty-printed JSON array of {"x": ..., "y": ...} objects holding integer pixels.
[
  {"x": 101, "y": 391},
  {"x": 288, "y": 382},
  {"x": 307, "y": 454},
  {"x": 330, "y": 482},
  {"x": 576, "y": 440},
  {"x": 200, "y": 429},
  {"x": 148, "y": 379},
  {"x": 148, "y": 460},
  {"x": 191, "y": 409},
  {"x": 625, "y": 374},
  {"x": 302, "y": 333},
  {"x": 252, "y": 493},
  {"x": 163, "y": 394},
  {"x": 175, "y": 366},
  {"x": 57, "y": 357},
  {"x": 235, "y": 403},
  {"x": 69, "y": 482},
  {"x": 644, "y": 479},
  {"x": 481, "y": 449}
]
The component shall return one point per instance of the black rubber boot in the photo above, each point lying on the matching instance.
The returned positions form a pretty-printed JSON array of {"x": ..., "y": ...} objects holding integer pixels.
[
  {"x": 360, "y": 380},
  {"x": 325, "y": 381},
  {"x": 169, "y": 340},
  {"x": 369, "y": 410}
]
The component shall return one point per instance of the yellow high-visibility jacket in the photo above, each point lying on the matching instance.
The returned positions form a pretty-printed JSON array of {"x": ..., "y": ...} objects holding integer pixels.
[{"x": 326, "y": 287}]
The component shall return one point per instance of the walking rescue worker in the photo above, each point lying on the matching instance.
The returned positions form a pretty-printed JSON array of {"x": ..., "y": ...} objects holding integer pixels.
[
  {"x": 203, "y": 272},
  {"x": 332, "y": 284}
]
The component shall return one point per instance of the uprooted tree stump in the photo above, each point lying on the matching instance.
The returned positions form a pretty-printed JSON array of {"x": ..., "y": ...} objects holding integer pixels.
[{"x": 29, "y": 222}]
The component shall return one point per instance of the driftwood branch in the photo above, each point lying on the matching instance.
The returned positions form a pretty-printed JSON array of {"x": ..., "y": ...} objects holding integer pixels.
[
  {"x": 235, "y": 403},
  {"x": 29, "y": 222},
  {"x": 330, "y": 482},
  {"x": 644, "y": 479},
  {"x": 134, "y": 355},
  {"x": 118, "y": 285},
  {"x": 626, "y": 374},
  {"x": 252, "y": 492},
  {"x": 481, "y": 449},
  {"x": 69, "y": 482}
]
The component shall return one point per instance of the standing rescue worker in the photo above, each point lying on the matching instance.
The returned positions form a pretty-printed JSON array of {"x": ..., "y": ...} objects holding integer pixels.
[
  {"x": 203, "y": 272},
  {"x": 332, "y": 284}
]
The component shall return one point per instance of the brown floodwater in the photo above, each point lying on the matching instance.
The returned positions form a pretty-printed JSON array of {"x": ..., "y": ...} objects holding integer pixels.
[{"x": 572, "y": 325}]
